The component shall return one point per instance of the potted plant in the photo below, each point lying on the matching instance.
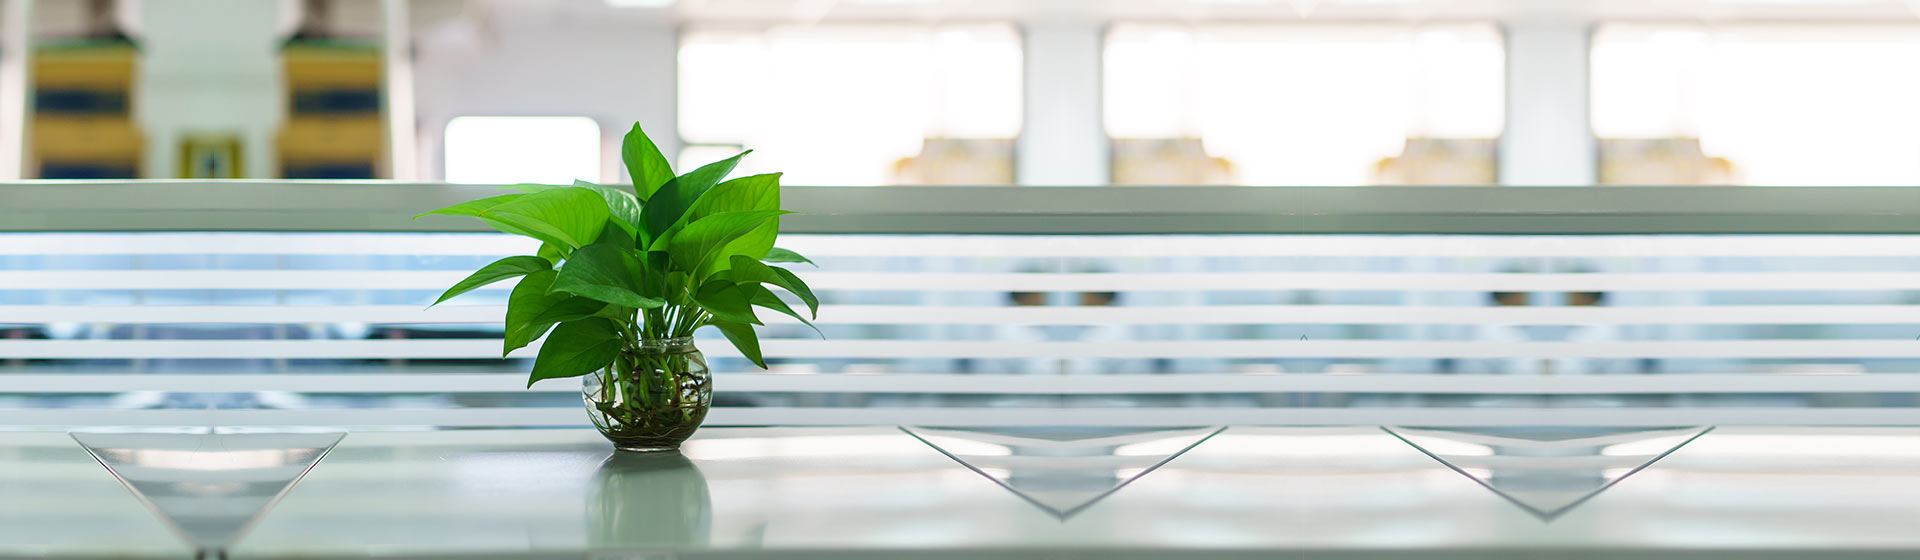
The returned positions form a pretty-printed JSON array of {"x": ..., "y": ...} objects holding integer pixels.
[{"x": 623, "y": 279}]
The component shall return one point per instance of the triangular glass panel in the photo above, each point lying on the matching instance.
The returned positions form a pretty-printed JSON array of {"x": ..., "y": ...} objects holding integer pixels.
[
  {"x": 209, "y": 487},
  {"x": 1547, "y": 471},
  {"x": 1062, "y": 470}
]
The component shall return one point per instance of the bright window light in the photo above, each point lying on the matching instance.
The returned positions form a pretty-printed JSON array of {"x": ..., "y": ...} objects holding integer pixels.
[
  {"x": 505, "y": 150},
  {"x": 845, "y": 105},
  {"x": 1305, "y": 105},
  {"x": 1781, "y": 105}
]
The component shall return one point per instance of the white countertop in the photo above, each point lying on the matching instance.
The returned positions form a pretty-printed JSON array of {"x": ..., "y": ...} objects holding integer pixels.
[{"x": 888, "y": 492}]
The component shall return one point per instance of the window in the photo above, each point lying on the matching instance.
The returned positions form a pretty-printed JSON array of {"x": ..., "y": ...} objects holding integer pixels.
[
  {"x": 1757, "y": 104},
  {"x": 502, "y": 150},
  {"x": 1304, "y": 105},
  {"x": 855, "y": 105}
]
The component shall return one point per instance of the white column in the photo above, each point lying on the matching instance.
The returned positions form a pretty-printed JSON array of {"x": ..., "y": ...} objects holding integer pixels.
[
  {"x": 210, "y": 67},
  {"x": 1549, "y": 135},
  {"x": 1063, "y": 140},
  {"x": 397, "y": 77},
  {"x": 16, "y": 76}
]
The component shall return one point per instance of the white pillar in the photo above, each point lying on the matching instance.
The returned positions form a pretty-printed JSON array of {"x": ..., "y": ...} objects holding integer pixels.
[
  {"x": 210, "y": 67},
  {"x": 1549, "y": 135},
  {"x": 16, "y": 76},
  {"x": 397, "y": 77},
  {"x": 1063, "y": 140}
]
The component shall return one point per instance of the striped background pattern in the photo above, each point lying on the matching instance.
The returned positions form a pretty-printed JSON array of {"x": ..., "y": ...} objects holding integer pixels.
[{"x": 240, "y": 328}]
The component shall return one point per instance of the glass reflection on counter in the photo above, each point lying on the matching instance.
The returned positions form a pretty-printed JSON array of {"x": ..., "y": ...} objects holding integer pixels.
[{"x": 649, "y": 500}]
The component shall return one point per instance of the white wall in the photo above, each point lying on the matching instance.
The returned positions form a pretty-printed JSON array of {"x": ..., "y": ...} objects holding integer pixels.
[
  {"x": 15, "y": 74},
  {"x": 59, "y": 18},
  {"x": 195, "y": 78},
  {"x": 615, "y": 72}
]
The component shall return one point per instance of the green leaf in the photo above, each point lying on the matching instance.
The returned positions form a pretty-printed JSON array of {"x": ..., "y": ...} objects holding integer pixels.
[
  {"x": 618, "y": 313},
  {"x": 528, "y": 301},
  {"x": 746, "y": 270},
  {"x": 570, "y": 218},
  {"x": 743, "y": 339},
  {"x": 601, "y": 271},
  {"x": 761, "y": 296},
  {"x": 669, "y": 204},
  {"x": 677, "y": 291},
  {"x": 530, "y": 188},
  {"x": 624, "y": 208},
  {"x": 478, "y": 209},
  {"x": 505, "y": 227},
  {"x": 613, "y": 234},
  {"x": 500, "y": 270},
  {"x": 726, "y": 301},
  {"x": 659, "y": 243},
  {"x": 473, "y": 207},
  {"x": 754, "y": 243},
  {"x": 702, "y": 240},
  {"x": 778, "y": 255},
  {"x": 644, "y": 162},
  {"x": 577, "y": 348},
  {"x": 550, "y": 252},
  {"x": 570, "y": 309},
  {"x": 799, "y": 288},
  {"x": 648, "y": 281},
  {"x": 755, "y": 192}
]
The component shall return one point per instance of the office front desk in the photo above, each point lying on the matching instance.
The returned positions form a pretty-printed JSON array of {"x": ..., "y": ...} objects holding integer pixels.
[
  {"x": 1326, "y": 372},
  {"x": 901, "y": 492},
  {"x": 297, "y": 303}
]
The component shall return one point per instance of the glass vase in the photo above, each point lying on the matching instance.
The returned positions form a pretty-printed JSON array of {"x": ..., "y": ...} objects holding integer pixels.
[{"x": 651, "y": 398}]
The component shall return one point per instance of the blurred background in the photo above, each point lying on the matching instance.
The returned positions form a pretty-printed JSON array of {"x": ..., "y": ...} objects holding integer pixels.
[
  {"x": 980, "y": 93},
  {"x": 927, "y": 92}
]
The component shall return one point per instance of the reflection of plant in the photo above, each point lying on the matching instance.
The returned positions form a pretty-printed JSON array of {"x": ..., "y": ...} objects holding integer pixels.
[
  {"x": 649, "y": 500},
  {"x": 616, "y": 268}
]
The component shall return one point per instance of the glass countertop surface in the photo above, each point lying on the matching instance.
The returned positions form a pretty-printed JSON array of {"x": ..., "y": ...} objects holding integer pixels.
[
  {"x": 56, "y": 501},
  {"x": 885, "y": 491}
]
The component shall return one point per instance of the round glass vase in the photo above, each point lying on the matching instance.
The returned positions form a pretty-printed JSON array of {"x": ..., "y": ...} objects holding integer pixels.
[{"x": 651, "y": 397}]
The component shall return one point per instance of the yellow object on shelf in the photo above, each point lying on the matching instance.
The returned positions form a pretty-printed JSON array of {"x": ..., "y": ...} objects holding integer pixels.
[
  {"x": 1168, "y": 161},
  {"x": 1440, "y": 161},
  {"x": 1662, "y": 161},
  {"x": 82, "y": 125},
  {"x": 334, "y": 121}
]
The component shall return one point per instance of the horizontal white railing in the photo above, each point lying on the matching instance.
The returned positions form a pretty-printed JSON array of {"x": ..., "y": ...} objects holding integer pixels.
[
  {"x": 143, "y": 251},
  {"x": 1038, "y": 315},
  {"x": 1137, "y": 245},
  {"x": 387, "y": 418},
  {"x": 434, "y": 280},
  {"x": 335, "y": 206},
  {"x": 921, "y": 349},
  {"x": 1002, "y": 384}
]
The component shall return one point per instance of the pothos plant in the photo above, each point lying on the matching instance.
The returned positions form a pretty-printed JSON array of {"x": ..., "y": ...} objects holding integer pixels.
[{"x": 616, "y": 268}]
